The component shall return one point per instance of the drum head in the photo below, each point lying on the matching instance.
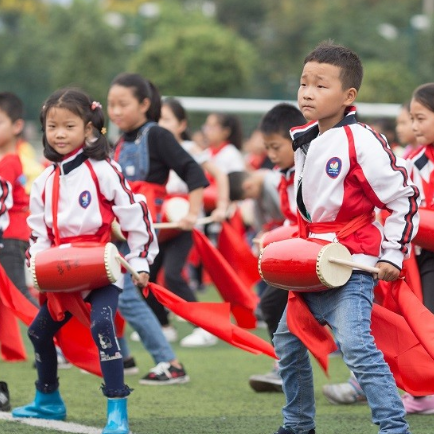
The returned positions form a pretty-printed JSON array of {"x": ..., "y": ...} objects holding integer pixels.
[
  {"x": 330, "y": 274},
  {"x": 176, "y": 208},
  {"x": 112, "y": 265}
]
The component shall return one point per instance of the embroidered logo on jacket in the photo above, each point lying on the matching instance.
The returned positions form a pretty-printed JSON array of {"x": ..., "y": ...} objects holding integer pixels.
[
  {"x": 84, "y": 199},
  {"x": 333, "y": 167}
]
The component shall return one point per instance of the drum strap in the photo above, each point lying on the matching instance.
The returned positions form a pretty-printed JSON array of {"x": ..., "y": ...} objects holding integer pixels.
[{"x": 342, "y": 229}]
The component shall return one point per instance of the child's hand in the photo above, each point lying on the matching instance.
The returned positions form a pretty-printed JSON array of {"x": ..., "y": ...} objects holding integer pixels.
[
  {"x": 388, "y": 272},
  {"x": 142, "y": 281},
  {"x": 187, "y": 223},
  {"x": 219, "y": 215}
]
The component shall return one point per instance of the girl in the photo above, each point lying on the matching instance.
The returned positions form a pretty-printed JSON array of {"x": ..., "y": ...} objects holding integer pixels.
[
  {"x": 174, "y": 118},
  {"x": 422, "y": 166},
  {"x": 75, "y": 200},
  {"x": 404, "y": 131},
  {"x": 147, "y": 153}
]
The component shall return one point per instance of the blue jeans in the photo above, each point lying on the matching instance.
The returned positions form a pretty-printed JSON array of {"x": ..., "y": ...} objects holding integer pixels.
[
  {"x": 347, "y": 310},
  {"x": 142, "y": 319}
]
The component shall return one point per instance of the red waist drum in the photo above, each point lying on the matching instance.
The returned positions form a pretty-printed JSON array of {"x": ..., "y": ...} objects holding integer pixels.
[
  {"x": 278, "y": 234},
  {"x": 425, "y": 235},
  {"x": 75, "y": 267},
  {"x": 302, "y": 265}
]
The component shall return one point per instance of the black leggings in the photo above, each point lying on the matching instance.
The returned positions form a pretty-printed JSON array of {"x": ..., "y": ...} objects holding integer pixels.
[
  {"x": 272, "y": 304},
  {"x": 104, "y": 302},
  {"x": 425, "y": 262}
]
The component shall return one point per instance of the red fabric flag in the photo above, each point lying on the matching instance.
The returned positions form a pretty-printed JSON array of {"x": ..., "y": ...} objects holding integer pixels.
[
  {"x": 243, "y": 301},
  {"x": 236, "y": 221},
  {"x": 303, "y": 324},
  {"x": 238, "y": 254},
  {"x": 213, "y": 317}
]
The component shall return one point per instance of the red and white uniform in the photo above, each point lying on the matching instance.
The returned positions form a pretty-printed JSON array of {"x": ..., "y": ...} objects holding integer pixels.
[
  {"x": 91, "y": 194},
  {"x": 288, "y": 203},
  {"x": 347, "y": 172},
  {"x": 226, "y": 157}
]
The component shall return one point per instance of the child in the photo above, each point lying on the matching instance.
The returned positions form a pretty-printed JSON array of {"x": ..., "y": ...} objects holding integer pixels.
[
  {"x": 147, "y": 152},
  {"x": 76, "y": 199},
  {"x": 274, "y": 127},
  {"x": 422, "y": 166},
  {"x": 343, "y": 170},
  {"x": 174, "y": 252},
  {"x": 404, "y": 131},
  {"x": 16, "y": 236}
]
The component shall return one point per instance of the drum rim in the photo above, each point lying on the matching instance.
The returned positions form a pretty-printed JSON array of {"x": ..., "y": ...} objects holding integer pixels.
[
  {"x": 33, "y": 272},
  {"x": 319, "y": 274},
  {"x": 110, "y": 274}
]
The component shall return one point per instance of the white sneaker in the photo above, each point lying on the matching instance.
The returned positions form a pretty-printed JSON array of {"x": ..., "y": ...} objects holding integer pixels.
[
  {"x": 344, "y": 393},
  {"x": 199, "y": 338},
  {"x": 170, "y": 333},
  {"x": 135, "y": 337}
]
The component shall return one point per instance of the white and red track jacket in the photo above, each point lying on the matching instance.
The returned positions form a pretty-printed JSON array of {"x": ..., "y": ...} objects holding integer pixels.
[
  {"x": 91, "y": 193},
  {"x": 6, "y": 203},
  {"x": 347, "y": 172}
]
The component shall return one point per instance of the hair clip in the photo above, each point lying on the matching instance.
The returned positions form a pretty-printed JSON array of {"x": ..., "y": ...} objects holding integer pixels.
[
  {"x": 103, "y": 130},
  {"x": 95, "y": 104}
]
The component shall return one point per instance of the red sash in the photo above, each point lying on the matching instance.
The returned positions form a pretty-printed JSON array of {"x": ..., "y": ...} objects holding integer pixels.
[{"x": 154, "y": 193}]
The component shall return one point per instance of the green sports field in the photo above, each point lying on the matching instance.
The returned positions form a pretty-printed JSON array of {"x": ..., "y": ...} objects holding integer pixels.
[{"x": 218, "y": 399}]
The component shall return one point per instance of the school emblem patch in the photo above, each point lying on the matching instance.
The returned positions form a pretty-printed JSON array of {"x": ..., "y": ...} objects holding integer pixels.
[
  {"x": 84, "y": 199},
  {"x": 333, "y": 167}
]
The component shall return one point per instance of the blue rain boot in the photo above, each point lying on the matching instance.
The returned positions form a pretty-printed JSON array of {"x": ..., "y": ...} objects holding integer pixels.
[
  {"x": 45, "y": 406},
  {"x": 117, "y": 417}
]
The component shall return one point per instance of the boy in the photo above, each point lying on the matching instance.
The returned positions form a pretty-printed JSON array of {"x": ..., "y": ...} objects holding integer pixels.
[
  {"x": 343, "y": 170},
  {"x": 274, "y": 128}
]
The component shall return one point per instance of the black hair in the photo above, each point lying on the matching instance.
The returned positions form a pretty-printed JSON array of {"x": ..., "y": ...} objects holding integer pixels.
[
  {"x": 78, "y": 102},
  {"x": 347, "y": 60},
  {"x": 424, "y": 94},
  {"x": 180, "y": 113},
  {"x": 12, "y": 106},
  {"x": 280, "y": 119},
  {"x": 236, "y": 180},
  {"x": 233, "y": 123},
  {"x": 142, "y": 88}
]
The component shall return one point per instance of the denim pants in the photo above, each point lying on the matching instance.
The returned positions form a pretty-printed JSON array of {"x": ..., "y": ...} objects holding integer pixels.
[
  {"x": 347, "y": 310},
  {"x": 142, "y": 319}
]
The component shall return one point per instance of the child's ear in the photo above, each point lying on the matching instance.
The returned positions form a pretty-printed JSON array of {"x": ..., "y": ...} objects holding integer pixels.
[
  {"x": 351, "y": 95},
  {"x": 18, "y": 127},
  {"x": 88, "y": 130}
]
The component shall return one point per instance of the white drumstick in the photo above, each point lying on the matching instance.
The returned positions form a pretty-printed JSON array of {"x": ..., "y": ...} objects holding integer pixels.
[
  {"x": 354, "y": 265},
  {"x": 125, "y": 263},
  {"x": 175, "y": 225}
]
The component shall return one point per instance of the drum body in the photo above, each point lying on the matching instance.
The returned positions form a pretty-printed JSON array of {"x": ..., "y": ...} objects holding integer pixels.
[
  {"x": 279, "y": 234},
  {"x": 302, "y": 265},
  {"x": 173, "y": 210},
  {"x": 425, "y": 235},
  {"x": 75, "y": 267}
]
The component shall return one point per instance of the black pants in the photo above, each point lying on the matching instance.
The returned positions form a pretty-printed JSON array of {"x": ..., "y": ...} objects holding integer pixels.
[
  {"x": 172, "y": 258},
  {"x": 272, "y": 304},
  {"x": 425, "y": 262}
]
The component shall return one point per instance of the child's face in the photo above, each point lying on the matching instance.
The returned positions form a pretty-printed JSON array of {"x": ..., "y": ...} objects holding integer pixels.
[
  {"x": 124, "y": 109},
  {"x": 65, "y": 131},
  {"x": 8, "y": 130},
  {"x": 169, "y": 121},
  {"x": 215, "y": 134},
  {"x": 279, "y": 150},
  {"x": 321, "y": 96},
  {"x": 404, "y": 128},
  {"x": 423, "y": 123}
]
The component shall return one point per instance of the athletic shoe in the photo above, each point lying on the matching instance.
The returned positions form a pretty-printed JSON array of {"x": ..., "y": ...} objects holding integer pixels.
[
  {"x": 283, "y": 430},
  {"x": 165, "y": 373},
  {"x": 344, "y": 393},
  {"x": 170, "y": 333},
  {"x": 270, "y": 382},
  {"x": 130, "y": 367},
  {"x": 5, "y": 404},
  {"x": 62, "y": 363},
  {"x": 199, "y": 338},
  {"x": 135, "y": 337},
  {"x": 421, "y": 405}
]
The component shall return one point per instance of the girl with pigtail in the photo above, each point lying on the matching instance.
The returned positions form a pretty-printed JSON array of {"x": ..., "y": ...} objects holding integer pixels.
[{"x": 75, "y": 200}]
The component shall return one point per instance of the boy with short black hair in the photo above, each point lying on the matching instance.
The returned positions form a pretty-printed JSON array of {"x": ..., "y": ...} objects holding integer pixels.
[{"x": 343, "y": 170}]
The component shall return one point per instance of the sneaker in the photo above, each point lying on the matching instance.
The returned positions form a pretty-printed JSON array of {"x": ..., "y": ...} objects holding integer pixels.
[
  {"x": 130, "y": 367},
  {"x": 135, "y": 337},
  {"x": 270, "y": 382},
  {"x": 170, "y": 333},
  {"x": 344, "y": 393},
  {"x": 199, "y": 338},
  {"x": 164, "y": 373},
  {"x": 283, "y": 430},
  {"x": 62, "y": 363},
  {"x": 5, "y": 404},
  {"x": 420, "y": 405}
]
